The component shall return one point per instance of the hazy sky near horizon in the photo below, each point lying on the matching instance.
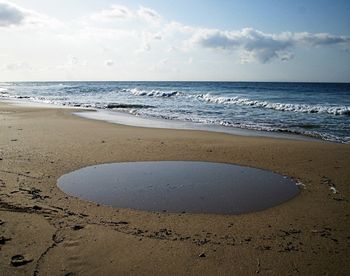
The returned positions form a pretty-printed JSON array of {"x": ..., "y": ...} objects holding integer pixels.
[{"x": 270, "y": 40}]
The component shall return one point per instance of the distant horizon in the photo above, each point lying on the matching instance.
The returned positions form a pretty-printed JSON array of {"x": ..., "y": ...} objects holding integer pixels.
[
  {"x": 233, "y": 81},
  {"x": 113, "y": 40}
]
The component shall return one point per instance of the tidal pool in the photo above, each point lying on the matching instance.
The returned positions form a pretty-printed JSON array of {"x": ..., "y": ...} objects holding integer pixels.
[{"x": 180, "y": 186}]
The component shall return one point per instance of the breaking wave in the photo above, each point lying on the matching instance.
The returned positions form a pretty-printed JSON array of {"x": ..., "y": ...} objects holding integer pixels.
[
  {"x": 152, "y": 93},
  {"x": 3, "y": 91},
  {"x": 303, "y": 108}
]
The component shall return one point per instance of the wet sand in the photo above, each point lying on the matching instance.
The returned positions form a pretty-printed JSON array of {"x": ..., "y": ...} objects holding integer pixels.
[{"x": 44, "y": 231}]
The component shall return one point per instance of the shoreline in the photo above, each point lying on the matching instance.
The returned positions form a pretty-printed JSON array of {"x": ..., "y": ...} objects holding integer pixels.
[
  {"x": 59, "y": 234},
  {"x": 119, "y": 117},
  {"x": 124, "y": 118}
]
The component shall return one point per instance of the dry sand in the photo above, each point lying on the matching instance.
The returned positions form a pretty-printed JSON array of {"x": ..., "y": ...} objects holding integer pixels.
[{"x": 56, "y": 234}]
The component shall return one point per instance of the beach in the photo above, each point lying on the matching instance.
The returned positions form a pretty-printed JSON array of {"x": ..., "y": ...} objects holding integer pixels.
[{"x": 44, "y": 231}]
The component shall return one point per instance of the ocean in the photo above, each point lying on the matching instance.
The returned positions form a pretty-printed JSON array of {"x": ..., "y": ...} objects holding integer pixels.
[{"x": 318, "y": 110}]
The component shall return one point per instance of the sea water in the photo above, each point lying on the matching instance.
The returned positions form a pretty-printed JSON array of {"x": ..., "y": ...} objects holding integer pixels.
[{"x": 320, "y": 110}]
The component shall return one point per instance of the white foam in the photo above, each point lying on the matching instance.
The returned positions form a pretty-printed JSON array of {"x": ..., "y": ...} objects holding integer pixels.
[
  {"x": 304, "y": 108},
  {"x": 3, "y": 90},
  {"x": 152, "y": 93},
  {"x": 27, "y": 103},
  {"x": 266, "y": 128},
  {"x": 134, "y": 119}
]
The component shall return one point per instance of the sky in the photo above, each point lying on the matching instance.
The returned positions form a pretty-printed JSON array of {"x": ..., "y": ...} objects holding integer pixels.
[{"x": 222, "y": 40}]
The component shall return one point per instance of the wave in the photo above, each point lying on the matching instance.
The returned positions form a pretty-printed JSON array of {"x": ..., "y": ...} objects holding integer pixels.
[
  {"x": 3, "y": 90},
  {"x": 303, "y": 108},
  {"x": 121, "y": 105},
  {"x": 152, "y": 93},
  {"x": 260, "y": 127}
]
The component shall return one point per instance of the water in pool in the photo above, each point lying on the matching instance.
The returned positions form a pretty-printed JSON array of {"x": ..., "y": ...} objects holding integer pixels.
[{"x": 180, "y": 186}]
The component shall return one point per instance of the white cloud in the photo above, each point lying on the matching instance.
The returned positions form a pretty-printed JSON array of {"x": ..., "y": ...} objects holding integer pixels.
[
  {"x": 320, "y": 39},
  {"x": 109, "y": 62},
  {"x": 140, "y": 39},
  {"x": 119, "y": 12},
  {"x": 14, "y": 15},
  {"x": 148, "y": 14},
  {"x": 115, "y": 12},
  {"x": 165, "y": 66},
  {"x": 16, "y": 66},
  {"x": 144, "y": 48},
  {"x": 161, "y": 66},
  {"x": 174, "y": 27},
  {"x": 11, "y": 15},
  {"x": 72, "y": 60},
  {"x": 263, "y": 47},
  {"x": 72, "y": 63},
  {"x": 157, "y": 36}
]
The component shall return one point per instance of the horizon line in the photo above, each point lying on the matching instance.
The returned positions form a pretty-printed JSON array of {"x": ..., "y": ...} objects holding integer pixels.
[{"x": 232, "y": 81}]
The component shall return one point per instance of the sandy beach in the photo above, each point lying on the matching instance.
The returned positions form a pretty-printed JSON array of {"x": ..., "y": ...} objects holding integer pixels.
[{"x": 46, "y": 232}]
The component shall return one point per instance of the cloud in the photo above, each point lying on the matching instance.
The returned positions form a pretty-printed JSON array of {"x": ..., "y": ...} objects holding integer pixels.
[
  {"x": 72, "y": 63},
  {"x": 14, "y": 15},
  {"x": 144, "y": 48},
  {"x": 148, "y": 14},
  {"x": 10, "y": 15},
  {"x": 72, "y": 60},
  {"x": 146, "y": 39},
  {"x": 17, "y": 66},
  {"x": 178, "y": 28},
  {"x": 109, "y": 62},
  {"x": 115, "y": 12},
  {"x": 161, "y": 66},
  {"x": 157, "y": 37},
  {"x": 118, "y": 12},
  {"x": 320, "y": 39},
  {"x": 263, "y": 47},
  {"x": 142, "y": 36}
]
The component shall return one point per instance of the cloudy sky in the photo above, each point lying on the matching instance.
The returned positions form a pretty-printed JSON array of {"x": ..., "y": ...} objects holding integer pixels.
[{"x": 257, "y": 40}]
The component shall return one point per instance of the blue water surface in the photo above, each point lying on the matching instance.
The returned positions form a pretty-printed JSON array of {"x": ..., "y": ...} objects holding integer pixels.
[{"x": 320, "y": 110}]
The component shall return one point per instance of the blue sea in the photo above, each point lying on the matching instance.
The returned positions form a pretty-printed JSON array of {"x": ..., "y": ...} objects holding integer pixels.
[{"x": 319, "y": 110}]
